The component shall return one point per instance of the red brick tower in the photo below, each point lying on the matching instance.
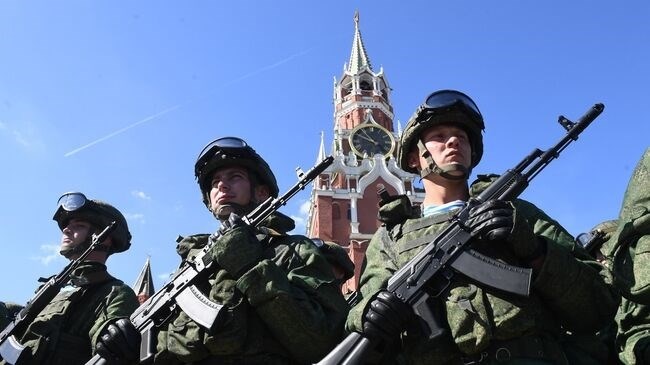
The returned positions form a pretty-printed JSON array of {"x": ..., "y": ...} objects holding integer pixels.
[{"x": 344, "y": 198}]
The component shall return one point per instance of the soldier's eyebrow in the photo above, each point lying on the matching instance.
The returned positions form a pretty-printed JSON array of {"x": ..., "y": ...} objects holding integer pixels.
[{"x": 226, "y": 174}]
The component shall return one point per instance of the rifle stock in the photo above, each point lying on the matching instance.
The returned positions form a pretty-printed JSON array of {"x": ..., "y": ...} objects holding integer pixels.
[
  {"x": 450, "y": 252},
  {"x": 180, "y": 290},
  {"x": 10, "y": 347}
]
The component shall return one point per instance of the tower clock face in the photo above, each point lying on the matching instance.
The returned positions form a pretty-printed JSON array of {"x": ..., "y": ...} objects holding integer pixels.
[{"x": 371, "y": 139}]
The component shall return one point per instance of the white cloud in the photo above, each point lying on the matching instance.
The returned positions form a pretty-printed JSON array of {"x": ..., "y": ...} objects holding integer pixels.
[
  {"x": 304, "y": 208},
  {"x": 300, "y": 224},
  {"x": 25, "y": 134},
  {"x": 301, "y": 219},
  {"x": 135, "y": 217},
  {"x": 140, "y": 194},
  {"x": 20, "y": 138},
  {"x": 51, "y": 253}
]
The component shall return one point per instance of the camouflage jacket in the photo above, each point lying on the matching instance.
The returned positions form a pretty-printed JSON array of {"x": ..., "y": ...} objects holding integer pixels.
[
  {"x": 287, "y": 309},
  {"x": 630, "y": 255},
  {"x": 66, "y": 331},
  {"x": 568, "y": 292}
]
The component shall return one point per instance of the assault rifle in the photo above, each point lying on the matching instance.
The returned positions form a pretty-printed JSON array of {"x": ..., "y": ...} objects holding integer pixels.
[
  {"x": 180, "y": 290},
  {"x": 428, "y": 274},
  {"x": 10, "y": 347}
]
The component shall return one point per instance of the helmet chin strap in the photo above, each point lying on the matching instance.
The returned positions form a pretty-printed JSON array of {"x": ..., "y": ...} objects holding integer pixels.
[
  {"x": 222, "y": 212},
  {"x": 83, "y": 246},
  {"x": 444, "y": 171}
]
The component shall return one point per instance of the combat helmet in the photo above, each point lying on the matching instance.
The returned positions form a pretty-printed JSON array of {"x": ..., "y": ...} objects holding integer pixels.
[
  {"x": 231, "y": 151},
  {"x": 75, "y": 205},
  {"x": 442, "y": 107}
]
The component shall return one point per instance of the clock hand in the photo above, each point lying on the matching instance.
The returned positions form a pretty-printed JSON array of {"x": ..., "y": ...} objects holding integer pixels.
[
  {"x": 366, "y": 138},
  {"x": 376, "y": 143}
]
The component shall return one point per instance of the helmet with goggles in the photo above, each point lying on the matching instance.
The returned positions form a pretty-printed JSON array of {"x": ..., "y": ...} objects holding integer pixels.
[
  {"x": 75, "y": 205},
  {"x": 226, "y": 152},
  {"x": 449, "y": 107}
]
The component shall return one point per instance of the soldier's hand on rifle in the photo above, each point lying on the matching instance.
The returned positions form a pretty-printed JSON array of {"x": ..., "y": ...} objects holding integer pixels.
[
  {"x": 237, "y": 250},
  {"x": 498, "y": 221},
  {"x": 386, "y": 317},
  {"x": 119, "y": 342}
]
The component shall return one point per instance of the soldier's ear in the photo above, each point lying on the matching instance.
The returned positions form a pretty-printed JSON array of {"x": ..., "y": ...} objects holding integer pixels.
[
  {"x": 108, "y": 242},
  {"x": 262, "y": 192}
]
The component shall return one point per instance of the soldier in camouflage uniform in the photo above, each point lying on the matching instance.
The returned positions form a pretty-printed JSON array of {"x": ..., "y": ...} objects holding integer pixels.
[
  {"x": 70, "y": 328},
  {"x": 282, "y": 303},
  {"x": 443, "y": 142},
  {"x": 8, "y": 313},
  {"x": 630, "y": 255},
  {"x": 598, "y": 348}
]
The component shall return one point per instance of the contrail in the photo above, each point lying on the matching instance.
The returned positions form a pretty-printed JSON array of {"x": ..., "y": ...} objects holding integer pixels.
[
  {"x": 266, "y": 68},
  {"x": 123, "y": 130},
  {"x": 170, "y": 109}
]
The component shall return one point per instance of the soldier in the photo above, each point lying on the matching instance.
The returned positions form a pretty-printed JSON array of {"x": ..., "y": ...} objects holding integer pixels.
[
  {"x": 630, "y": 255},
  {"x": 598, "y": 348},
  {"x": 8, "y": 313},
  {"x": 68, "y": 330},
  {"x": 282, "y": 303},
  {"x": 442, "y": 142}
]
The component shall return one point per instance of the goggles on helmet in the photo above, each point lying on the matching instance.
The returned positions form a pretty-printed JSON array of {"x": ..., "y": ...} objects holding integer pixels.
[
  {"x": 72, "y": 201},
  {"x": 583, "y": 239},
  {"x": 74, "y": 204},
  {"x": 448, "y": 99},
  {"x": 588, "y": 239},
  {"x": 233, "y": 146}
]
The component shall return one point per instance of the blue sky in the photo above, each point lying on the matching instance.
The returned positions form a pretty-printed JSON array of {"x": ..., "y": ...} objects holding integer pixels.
[{"x": 116, "y": 99}]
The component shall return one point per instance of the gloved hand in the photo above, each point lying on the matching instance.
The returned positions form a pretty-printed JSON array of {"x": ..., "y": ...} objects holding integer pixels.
[
  {"x": 119, "y": 342},
  {"x": 497, "y": 221},
  {"x": 386, "y": 318},
  {"x": 237, "y": 249}
]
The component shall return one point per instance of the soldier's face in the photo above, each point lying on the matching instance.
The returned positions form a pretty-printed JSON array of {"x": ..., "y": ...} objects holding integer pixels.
[
  {"x": 74, "y": 233},
  {"x": 230, "y": 185},
  {"x": 447, "y": 144}
]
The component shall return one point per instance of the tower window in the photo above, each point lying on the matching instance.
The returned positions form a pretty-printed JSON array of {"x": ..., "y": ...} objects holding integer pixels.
[{"x": 336, "y": 211}]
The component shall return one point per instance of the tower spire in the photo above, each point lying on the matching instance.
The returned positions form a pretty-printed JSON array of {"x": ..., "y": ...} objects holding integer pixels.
[
  {"x": 143, "y": 286},
  {"x": 321, "y": 150},
  {"x": 358, "y": 58}
]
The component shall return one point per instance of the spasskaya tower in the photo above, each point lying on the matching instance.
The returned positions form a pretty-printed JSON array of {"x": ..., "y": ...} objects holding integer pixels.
[{"x": 344, "y": 198}]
